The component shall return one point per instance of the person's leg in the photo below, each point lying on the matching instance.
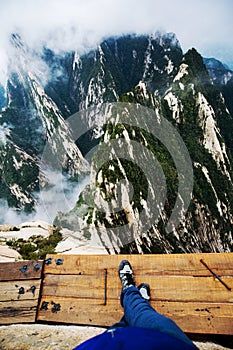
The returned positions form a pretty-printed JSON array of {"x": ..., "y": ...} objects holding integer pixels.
[
  {"x": 144, "y": 290},
  {"x": 138, "y": 311},
  {"x": 120, "y": 324}
]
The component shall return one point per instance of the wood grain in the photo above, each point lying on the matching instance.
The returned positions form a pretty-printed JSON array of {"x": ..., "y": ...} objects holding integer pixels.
[
  {"x": 85, "y": 289},
  {"x": 159, "y": 264},
  {"x": 19, "y": 290},
  {"x": 21, "y": 270},
  {"x": 18, "y": 311},
  {"x": 205, "y": 318},
  {"x": 171, "y": 288}
]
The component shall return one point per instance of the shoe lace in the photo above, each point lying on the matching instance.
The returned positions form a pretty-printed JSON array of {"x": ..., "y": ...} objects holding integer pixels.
[{"x": 127, "y": 280}]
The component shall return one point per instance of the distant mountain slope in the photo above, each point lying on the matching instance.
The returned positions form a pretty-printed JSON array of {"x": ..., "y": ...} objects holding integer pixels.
[
  {"x": 222, "y": 77},
  {"x": 196, "y": 108},
  {"x": 31, "y": 120},
  {"x": 150, "y": 71}
]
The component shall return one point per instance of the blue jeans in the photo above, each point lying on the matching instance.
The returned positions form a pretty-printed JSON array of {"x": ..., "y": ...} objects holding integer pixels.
[{"x": 139, "y": 313}]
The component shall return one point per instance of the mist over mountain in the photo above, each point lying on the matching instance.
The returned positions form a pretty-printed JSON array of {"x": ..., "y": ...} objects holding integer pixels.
[{"x": 193, "y": 94}]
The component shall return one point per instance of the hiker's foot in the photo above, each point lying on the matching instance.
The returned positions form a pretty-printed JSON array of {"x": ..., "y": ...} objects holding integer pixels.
[
  {"x": 144, "y": 290},
  {"x": 126, "y": 274}
]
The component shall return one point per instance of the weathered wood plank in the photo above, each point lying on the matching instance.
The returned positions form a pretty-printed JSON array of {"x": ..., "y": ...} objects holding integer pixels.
[
  {"x": 80, "y": 311},
  {"x": 159, "y": 264},
  {"x": 195, "y": 317},
  {"x": 20, "y": 290},
  {"x": 209, "y": 318},
  {"x": 170, "y": 288},
  {"x": 85, "y": 289},
  {"x": 77, "y": 286},
  {"x": 18, "y": 312},
  {"x": 21, "y": 270}
]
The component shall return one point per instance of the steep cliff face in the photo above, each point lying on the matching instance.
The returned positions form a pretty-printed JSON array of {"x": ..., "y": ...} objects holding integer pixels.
[
  {"x": 33, "y": 131},
  {"x": 197, "y": 110},
  {"x": 222, "y": 77},
  {"x": 202, "y": 117},
  {"x": 161, "y": 178},
  {"x": 120, "y": 64},
  {"x": 19, "y": 176}
]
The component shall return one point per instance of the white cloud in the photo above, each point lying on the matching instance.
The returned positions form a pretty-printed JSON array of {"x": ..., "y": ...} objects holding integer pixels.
[
  {"x": 80, "y": 24},
  {"x": 62, "y": 196}
]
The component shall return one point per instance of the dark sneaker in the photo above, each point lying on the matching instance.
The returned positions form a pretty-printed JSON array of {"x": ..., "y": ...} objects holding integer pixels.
[
  {"x": 144, "y": 289},
  {"x": 126, "y": 274}
]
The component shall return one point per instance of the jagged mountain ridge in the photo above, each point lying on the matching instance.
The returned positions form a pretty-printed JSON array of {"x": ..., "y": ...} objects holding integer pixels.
[
  {"x": 181, "y": 87},
  {"x": 198, "y": 110},
  {"x": 41, "y": 93},
  {"x": 119, "y": 64},
  {"x": 30, "y": 121},
  {"x": 222, "y": 77},
  {"x": 194, "y": 106}
]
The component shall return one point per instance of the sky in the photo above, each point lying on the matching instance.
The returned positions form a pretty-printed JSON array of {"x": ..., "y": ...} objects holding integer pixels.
[{"x": 81, "y": 24}]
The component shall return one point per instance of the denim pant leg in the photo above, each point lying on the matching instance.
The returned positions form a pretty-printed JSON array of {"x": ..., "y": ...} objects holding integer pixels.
[
  {"x": 139, "y": 313},
  {"x": 120, "y": 324}
]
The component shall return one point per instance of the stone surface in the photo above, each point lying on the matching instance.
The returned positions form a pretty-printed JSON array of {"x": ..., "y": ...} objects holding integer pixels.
[
  {"x": 7, "y": 254},
  {"x": 57, "y": 337},
  {"x": 75, "y": 243},
  {"x": 44, "y": 337},
  {"x": 23, "y": 231},
  {"x": 71, "y": 243}
]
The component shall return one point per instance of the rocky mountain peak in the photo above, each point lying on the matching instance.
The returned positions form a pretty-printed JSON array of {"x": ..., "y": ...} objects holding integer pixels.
[{"x": 150, "y": 71}]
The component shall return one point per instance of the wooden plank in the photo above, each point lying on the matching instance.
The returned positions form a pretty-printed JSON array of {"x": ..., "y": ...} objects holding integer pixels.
[
  {"x": 20, "y": 290},
  {"x": 21, "y": 270},
  {"x": 18, "y": 312},
  {"x": 159, "y": 264},
  {"x": 84, "y": 286},
  {"x": 171, "y": 288},
  {"x": 79, "y": 311},
  {"x": 195, "y": 317},
  {"x": 85, "y": 289}
]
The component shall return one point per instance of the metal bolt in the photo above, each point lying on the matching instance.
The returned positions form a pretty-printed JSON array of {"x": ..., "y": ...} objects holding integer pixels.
[
  {"x": 48, "y": 261},
  {"x": 59, "y": 261},
  {"x": 37, "y": 267}
]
